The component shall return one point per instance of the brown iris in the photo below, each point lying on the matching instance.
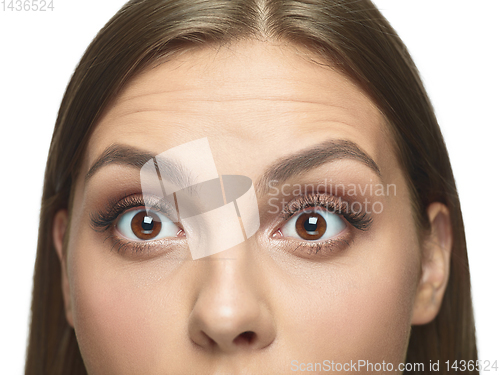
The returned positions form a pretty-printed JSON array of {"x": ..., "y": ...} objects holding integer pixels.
[
  {"x": 310, "y": 226},
  {"x": 146, "y": 226}
]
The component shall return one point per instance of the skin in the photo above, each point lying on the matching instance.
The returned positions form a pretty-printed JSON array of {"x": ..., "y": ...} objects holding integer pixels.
[{"x": 164, "y": 313}]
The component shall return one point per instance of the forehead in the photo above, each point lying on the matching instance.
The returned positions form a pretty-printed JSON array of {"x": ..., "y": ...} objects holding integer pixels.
[{"x": 246, "y": 96}]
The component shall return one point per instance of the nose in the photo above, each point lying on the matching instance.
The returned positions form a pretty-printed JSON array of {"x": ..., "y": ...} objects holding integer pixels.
[{"x": 230, "y": 313}]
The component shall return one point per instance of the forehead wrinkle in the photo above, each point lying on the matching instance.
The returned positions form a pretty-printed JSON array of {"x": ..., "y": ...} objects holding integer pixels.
[
  {"x": 262, "y": 81},
  {"x": 124, "y": 98},
  {"x": 296, "y": 90},
  {"x": 315, "y": 117},
  {"x": 237, "y": 88},
  {"x": 125, "y": 109}
]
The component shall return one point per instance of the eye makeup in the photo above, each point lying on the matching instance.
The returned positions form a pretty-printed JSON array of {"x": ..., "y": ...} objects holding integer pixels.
[
  {"x": 106, "y": 220},
  {"x": 103, "y": 219},
  {"x": 358, "y": 219}
]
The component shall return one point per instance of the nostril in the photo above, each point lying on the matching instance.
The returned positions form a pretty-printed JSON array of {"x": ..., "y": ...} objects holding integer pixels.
[{"x": 245, "y": 338}]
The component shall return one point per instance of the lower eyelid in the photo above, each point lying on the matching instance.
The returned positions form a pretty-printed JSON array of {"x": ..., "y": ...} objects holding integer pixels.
[
  {"x": 142, "y": 248},
  {"x": 318, "y": 249}
]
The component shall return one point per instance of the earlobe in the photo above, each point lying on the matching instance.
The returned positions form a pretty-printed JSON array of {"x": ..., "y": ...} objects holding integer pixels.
[
  {"x": 60, "y": 225},
  {"x": 436, "y": 253}
]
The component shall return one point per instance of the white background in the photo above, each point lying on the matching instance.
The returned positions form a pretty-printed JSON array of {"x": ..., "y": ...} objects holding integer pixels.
[{"x": 455, "y": 46}]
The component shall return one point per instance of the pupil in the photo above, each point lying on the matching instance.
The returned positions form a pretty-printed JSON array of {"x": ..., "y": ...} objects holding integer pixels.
[
  {"x": 311, "y": 224},
  {"x": 147, "y": 223}
]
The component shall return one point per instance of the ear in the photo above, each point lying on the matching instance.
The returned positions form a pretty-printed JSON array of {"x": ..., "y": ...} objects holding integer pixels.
[
  {"x": 60, "y": 225},
  {"x": 436, "y": 254}
]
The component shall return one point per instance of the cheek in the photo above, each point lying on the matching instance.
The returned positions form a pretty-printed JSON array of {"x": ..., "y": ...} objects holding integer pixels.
[
  {"x": 122, "y": 319},
  {"x": 110, "y": 317},
  {"x": 360, "y": 311}
]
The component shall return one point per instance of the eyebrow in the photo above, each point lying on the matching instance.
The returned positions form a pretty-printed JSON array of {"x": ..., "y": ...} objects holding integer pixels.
[
  {"x": 122, "y": 155},
  {"x": 310, "y": 158},
  {"x": 280, "y": 171},
  {"x": 127, "y": 155}
]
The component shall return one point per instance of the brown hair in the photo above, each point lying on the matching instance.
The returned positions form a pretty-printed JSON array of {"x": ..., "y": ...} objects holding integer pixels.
[{"x": 353, "y": 37}]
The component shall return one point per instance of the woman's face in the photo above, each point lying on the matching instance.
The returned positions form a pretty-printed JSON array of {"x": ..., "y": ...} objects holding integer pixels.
[{"x": 294, "y": 293}]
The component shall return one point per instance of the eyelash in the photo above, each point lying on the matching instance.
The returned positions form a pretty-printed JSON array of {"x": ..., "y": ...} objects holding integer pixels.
[
  {"x": 359, "y": 219},
  {"x": 103, "y": 220}
]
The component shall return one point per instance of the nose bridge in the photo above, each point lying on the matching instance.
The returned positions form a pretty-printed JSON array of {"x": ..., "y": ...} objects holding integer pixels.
[{"x": 229, "y": 313}]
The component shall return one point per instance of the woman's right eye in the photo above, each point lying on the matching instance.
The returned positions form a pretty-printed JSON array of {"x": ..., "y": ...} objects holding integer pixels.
[{"x": 140, "y": 225}]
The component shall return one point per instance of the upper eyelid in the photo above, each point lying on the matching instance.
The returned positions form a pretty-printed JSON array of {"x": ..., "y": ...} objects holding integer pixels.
[
  {"x": 142, "y": 208},
  {"x": 289, "y": 210},
  {"x": 101, "y": 220},
  {"x": 154, "y": 204}
]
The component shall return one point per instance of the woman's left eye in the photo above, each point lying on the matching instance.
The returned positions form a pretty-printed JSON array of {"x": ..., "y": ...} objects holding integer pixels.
[
  {"x": 314, "y": 225},
  {"x": 141, "y": 225}
]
